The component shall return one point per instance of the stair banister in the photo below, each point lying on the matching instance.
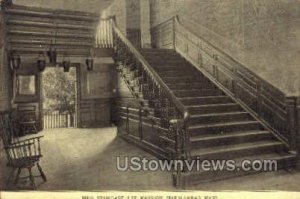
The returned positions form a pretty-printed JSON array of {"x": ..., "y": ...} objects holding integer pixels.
[{"x": 156, "y": 78}]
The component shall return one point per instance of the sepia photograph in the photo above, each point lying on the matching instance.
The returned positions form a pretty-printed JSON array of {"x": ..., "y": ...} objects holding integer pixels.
[{"x": 149, "y": 99}]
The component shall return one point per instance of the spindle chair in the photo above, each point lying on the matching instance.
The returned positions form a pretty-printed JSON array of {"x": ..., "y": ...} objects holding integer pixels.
[{"x": 21, "y": 153}]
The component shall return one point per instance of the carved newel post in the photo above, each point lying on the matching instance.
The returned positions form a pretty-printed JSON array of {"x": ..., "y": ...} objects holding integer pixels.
[{"x": 176, "y": 129}]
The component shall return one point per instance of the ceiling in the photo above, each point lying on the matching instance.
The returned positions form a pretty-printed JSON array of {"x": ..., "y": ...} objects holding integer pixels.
[{"x": 94, "y": 6}]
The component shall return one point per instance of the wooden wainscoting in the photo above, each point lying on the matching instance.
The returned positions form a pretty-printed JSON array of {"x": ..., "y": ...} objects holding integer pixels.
[{"x": 97, "y": 90}]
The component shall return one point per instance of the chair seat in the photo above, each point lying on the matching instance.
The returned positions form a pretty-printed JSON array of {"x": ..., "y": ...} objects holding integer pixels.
[{"x": 24, "y": 162}]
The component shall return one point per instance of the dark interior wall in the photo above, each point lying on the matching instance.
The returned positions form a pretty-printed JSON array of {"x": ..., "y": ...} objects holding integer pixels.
[
  {"x": 4, "y": 70},
  {"x": 95, "y": 6},
  {"x": 97, "y": 88},
  {"x": 261, "y": 34}
]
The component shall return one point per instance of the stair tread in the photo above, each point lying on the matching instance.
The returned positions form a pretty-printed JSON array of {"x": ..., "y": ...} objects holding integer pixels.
[
  {"x": 219, "y": 114},
  {"x": 195, "y": 89},
  {"x": 228, "y": 135},
  {"x": 203, "y": 97},
  {"x": 211, "y": 105},
  {"x": 223, "y": 124},
  {"x": 234, "y": 147}
]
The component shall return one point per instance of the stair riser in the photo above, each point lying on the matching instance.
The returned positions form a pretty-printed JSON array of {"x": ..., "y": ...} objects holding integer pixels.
[
  {"x": 224, "y": 129},
  {"x": 204, "y": 85},
  {"x": 204, "y": 101},
  {"x": 175, "y": 74},
  {"x": 162, "y": 68},
  {"x": 200, "y": 93},
  {"x": 242, "y": 153},
  {"x": 214, "y": 109},
  {"x": 220, "y": 118},
  {"x": 231, "y": 140},
  {"x": 164, "y": 58},
  {"x": 183, "y": 81},
  {"x": 175, "y": 62}
]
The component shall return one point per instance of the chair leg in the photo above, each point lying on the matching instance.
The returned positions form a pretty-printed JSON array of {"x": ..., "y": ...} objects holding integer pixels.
[
  {"x": 31, "y": 177},
  {"x": 17, "y": 176},
  {"x": 42, "y": 172}
]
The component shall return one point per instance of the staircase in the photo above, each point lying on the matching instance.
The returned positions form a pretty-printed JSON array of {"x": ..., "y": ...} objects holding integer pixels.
[{"x": 219, "y": 127}]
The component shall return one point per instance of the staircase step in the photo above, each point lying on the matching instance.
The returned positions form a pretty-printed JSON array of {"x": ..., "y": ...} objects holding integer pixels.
[
  {"x": 191, "y": 85},
  {"x": 283, "y": 159},
  {"x": 186, "y": 80},
  {"x": 167, "y": 67},
  {"x": 229, "y": 138},
  {"x": 224, "y": 127},
  {"x": 172, "y": 73},
  {"x": 213, "y": 108},
  {"x": 163, "y": 58},
  {"x": 220, "y": 117},
  {"x": 237, "y": 150},
  {"x": 198, "y": 93},
  {"x": 190, "y": 101}
]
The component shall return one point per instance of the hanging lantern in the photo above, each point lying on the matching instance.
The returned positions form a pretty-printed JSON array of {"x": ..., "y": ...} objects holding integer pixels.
[
  {"x": 15, "y": 61},
  {"x": 90, "y": 61},
  {"x": 41, "y": 62},
  {"x": 52, "y": 55},
  {"x": 66, "y": 63}
]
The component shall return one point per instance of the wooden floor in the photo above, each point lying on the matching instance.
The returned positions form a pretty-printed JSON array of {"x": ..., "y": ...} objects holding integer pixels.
[{"x": 85, "y": 160}]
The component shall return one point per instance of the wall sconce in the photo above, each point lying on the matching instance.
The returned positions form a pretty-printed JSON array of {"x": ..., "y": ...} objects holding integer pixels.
[
  {"x": 90, "y": 62},
  {"x": 15, "y": 60},
  {"x": 66, "y": 63},
  {"x": 52, "y": 55},
  {"x": 41, "y": 62}
]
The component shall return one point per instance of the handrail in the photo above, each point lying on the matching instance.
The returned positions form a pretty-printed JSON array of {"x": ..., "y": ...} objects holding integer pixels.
[{"x": 178, "y": 104}]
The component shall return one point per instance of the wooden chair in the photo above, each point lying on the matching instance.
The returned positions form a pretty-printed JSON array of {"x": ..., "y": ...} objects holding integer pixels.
[{"x": 21, "y": 154}]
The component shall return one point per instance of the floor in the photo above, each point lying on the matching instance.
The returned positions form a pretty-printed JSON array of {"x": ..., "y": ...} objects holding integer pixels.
[{"x": 85, "y": 160}]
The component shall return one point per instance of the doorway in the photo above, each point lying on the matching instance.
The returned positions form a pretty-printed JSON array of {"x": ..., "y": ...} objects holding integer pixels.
[{"x": 59, "y": 98}]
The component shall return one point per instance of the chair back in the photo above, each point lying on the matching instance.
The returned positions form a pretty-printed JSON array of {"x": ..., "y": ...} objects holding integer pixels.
[{"x": 8, "y": 128}]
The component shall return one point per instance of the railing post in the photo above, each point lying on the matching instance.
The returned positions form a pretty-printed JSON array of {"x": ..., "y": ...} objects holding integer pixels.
[
  {"x": 259, "y": 99},
  {"x": 297, "y": 138},
  {"x": 176, "y": 129},
  {"x": 127, "y": 119},
  {"x": 292, "y": 123},
  {"x": 174, "y": 32},
  {"x": 141, "y": 123}
]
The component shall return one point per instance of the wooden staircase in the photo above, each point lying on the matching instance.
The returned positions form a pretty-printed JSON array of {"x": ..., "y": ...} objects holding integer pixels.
[{"x": 219, "y": 127}]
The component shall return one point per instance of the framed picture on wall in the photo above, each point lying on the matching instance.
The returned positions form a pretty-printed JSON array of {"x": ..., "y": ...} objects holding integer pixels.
[{"x": 26, "y": 85}]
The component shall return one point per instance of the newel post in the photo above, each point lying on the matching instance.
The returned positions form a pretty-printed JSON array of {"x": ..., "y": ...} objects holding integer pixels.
[
  {"x": 176, "y": 129},
  {"x": 175, "y": 19},
  {"x": 293, "y": 123}
]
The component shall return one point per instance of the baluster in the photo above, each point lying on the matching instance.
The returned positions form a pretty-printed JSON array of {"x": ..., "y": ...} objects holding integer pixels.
[
  {"x": 141, "y": 123},
  {"x": 291, "y": 103},
  {"x": 127, "y": 119}
]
